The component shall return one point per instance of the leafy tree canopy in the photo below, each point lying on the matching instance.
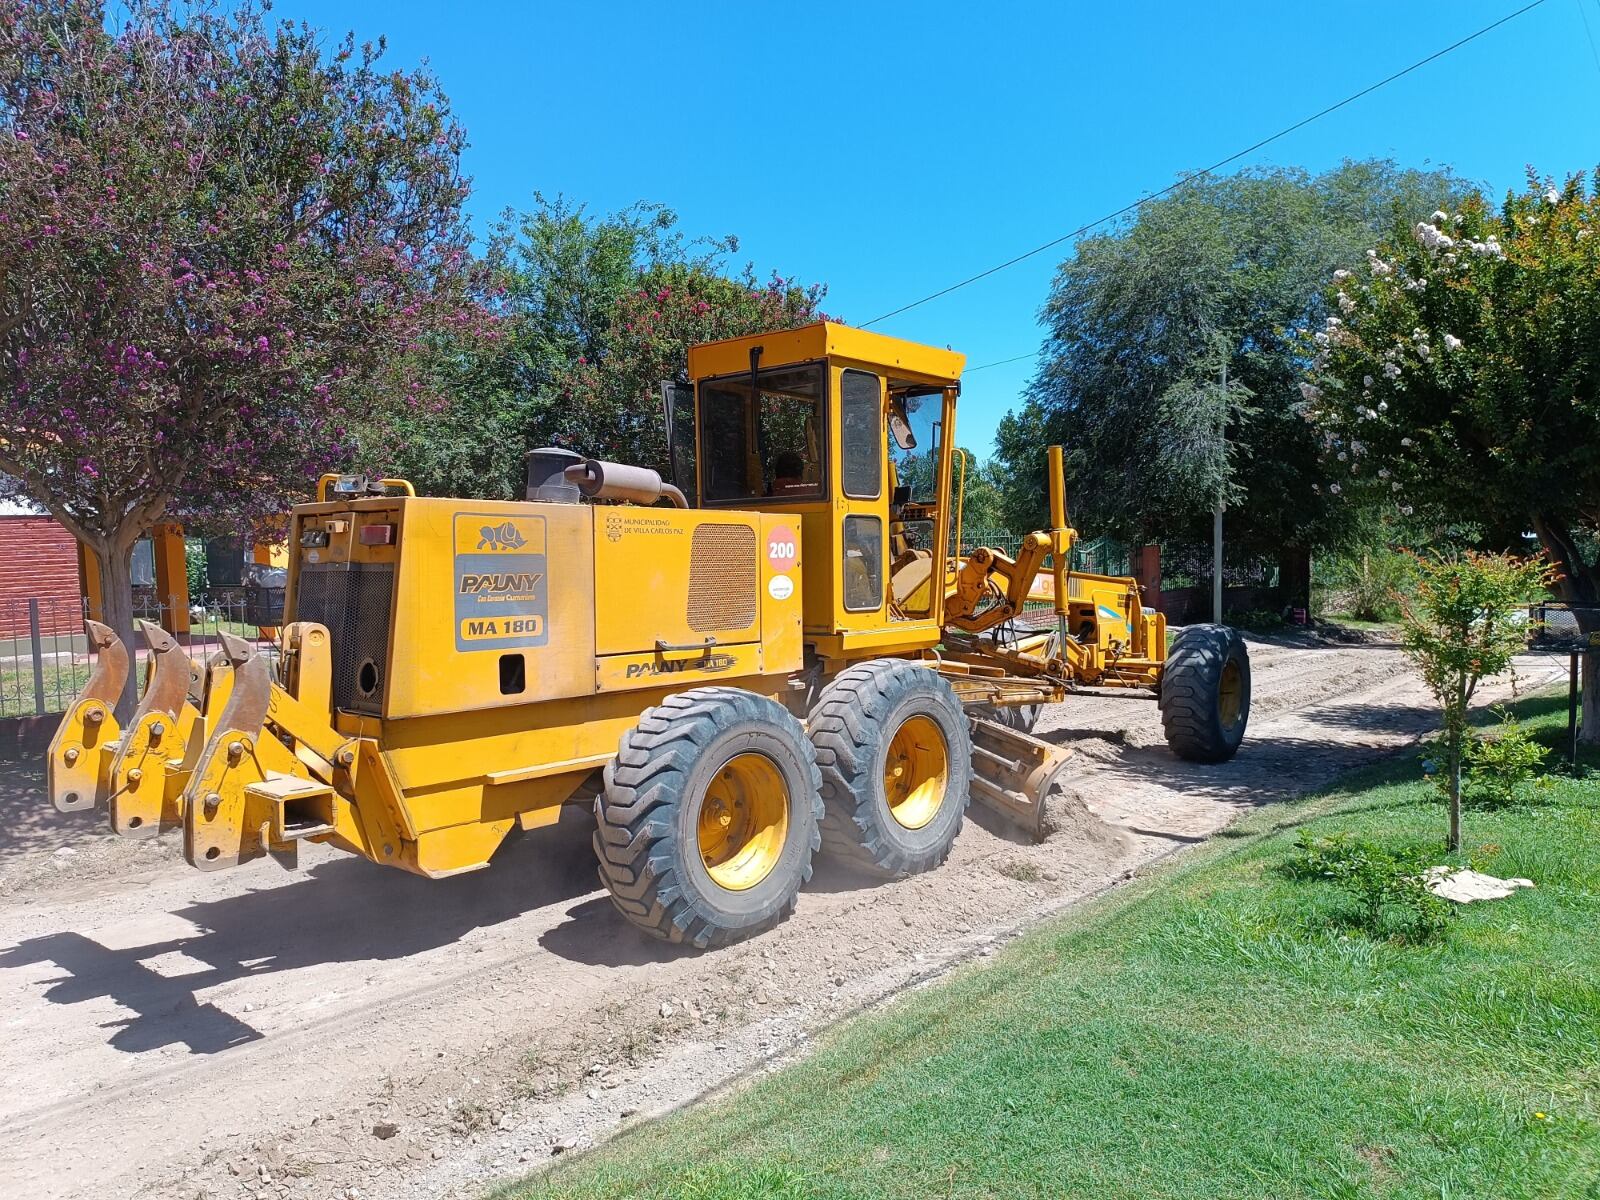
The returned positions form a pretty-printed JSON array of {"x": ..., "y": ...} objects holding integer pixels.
[
  {"x": 595, "y": 313},
  {"x": 218, "y": 243},
  {"x": 1459, "y": 369},
  {"x": 1140, "y": 323}
]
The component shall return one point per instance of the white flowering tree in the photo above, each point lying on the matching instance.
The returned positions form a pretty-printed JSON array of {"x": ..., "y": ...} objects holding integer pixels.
[{"x": 1461, "y": 370}]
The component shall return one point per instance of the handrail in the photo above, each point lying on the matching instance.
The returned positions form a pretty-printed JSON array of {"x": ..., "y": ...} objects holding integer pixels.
[{"x": 322, "y": 485}]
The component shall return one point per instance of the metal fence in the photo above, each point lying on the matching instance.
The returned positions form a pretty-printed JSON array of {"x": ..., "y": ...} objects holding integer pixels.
[{"x": 42, "y": 669}]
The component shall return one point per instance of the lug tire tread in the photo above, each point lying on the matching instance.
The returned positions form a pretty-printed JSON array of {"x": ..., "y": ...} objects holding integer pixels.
[
  {"x": 634, "y": 840},
  {"x": 846, "y": 729},
  {"x": 1188, "y": 693}
]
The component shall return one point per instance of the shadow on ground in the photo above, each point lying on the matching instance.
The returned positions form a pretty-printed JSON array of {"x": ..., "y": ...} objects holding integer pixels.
[{"x": 345, "y": 910}]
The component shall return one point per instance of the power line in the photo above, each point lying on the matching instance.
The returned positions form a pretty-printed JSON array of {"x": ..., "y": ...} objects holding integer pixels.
[
  {"x": 1222, "y": 162},
  {"x": 1589, "y": 33},
  {"x": 1002, "y": 362}
]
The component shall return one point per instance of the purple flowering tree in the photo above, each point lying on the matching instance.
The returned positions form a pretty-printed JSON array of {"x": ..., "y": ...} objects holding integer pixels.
[{"x": 223, "y": 249}]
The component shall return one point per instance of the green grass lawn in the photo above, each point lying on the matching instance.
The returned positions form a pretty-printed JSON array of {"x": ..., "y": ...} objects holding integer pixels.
[{"x": 1212, "y": 1030}]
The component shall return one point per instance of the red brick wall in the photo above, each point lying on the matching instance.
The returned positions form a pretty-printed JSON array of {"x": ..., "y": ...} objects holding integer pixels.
[{"x": 38, "y": 558}]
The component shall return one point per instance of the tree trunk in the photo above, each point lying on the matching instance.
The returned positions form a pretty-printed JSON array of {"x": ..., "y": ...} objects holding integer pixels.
[
  {"x": 1294, "y": 577},
  {"x": 116, "y": 601},
  {"x": 1454, "y": 766}
]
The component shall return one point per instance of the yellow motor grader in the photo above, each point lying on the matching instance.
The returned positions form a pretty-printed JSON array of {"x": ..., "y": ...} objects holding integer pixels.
[{"x": 784, "y": 651}]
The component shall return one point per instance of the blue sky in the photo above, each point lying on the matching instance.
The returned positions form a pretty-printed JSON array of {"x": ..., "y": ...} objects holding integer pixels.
[{"x": 891, "y": 149}]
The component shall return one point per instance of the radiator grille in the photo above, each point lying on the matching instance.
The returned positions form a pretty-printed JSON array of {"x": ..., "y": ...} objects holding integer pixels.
[
  {"x": 354, "y": 602},
  {"x": 723, "y": 583}
]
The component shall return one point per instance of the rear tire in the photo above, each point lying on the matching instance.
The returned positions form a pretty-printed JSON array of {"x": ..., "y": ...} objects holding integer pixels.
[
  {"x": 895, "y": 750},
  {"x": 708, "y": 820},
  {"x": 1204, "y": 693}
]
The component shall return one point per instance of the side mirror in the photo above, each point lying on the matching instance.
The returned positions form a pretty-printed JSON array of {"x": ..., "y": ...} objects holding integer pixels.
[{"x": 901, "y": 432}]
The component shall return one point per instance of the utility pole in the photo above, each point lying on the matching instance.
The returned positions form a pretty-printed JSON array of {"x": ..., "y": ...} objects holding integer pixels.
[{"x": 1216, "y": 513}]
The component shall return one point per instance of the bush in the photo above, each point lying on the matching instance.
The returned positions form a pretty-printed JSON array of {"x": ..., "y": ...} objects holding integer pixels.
[
  {"x": 1505, "y": 768},
  {"x": 1388, "y": 885},
  {"x": 1498, "y": 769},
  {"x": 1366, "y": 586}
]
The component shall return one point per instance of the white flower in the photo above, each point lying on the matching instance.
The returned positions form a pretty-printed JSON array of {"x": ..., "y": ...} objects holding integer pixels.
[
  {"x": 1432, "y": 238},
  {"x": 1334, "y": 488},
  {"x": 1341, "y": 274},
  {"x": 1383, "y": 406},
  {"x": 1406, "y": 509},
  {"x": 1383, "y": 472},
  {"x": 1405, "y": 441},
  {"x": 1391, "y": 370},
  {"x": 1320, "y": 338},
  {"x": 1380, "y": 268},
  {"x": 1452, "y": 342},
  {"x": 1552, "y": 196},
  {"x": 1346, "y": 304},
  {"x": 1334, "y": 322},
  {"x": 1310, "y": 391},
  {"x": 1440, "y": 215},
  {"x": 1394, "y": 487},
  {"x": 1366, "y": 381},
  {"x": 1424, "y": 352},
  {"x": 1343, "y": 457}
]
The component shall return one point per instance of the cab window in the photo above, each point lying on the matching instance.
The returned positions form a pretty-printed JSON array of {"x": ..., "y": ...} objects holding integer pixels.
[{"x": 768, "y": 446}]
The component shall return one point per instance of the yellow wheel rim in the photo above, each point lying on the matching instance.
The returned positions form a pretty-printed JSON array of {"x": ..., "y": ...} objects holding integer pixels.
[
  {"x": 1230, "y": 695},
  {"x": 916, "y": 772},
  {"x": 744, "y": 820}
]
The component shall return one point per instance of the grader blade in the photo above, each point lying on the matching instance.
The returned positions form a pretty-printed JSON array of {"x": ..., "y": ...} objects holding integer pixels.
[
  {"x": 78, "y": 769},
  {"x": 1013, "y": 772},
  {"x": 146, "y": 776}
]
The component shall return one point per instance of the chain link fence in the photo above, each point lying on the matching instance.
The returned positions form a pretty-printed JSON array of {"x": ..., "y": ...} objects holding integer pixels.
[{"x": 45, "y": 659}]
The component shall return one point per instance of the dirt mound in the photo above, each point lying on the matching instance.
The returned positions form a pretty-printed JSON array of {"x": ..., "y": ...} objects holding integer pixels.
[{"x": 1072, "y": 830}]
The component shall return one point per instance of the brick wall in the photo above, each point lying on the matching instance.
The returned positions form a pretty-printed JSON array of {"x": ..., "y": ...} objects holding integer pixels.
[{"x": 38, "y": 558}]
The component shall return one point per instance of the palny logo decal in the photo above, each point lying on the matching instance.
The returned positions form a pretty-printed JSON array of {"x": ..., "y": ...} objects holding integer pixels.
[{"x": 500, "y": 537}]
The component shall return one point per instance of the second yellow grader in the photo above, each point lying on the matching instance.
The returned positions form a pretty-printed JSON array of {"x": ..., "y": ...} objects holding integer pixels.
[{"x": 789, "y": 651}]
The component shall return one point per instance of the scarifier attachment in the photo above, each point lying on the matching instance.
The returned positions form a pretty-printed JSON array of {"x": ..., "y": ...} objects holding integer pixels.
[
  {"x": 227, "y": 817},
  {"x": 1013, "y": 772},
  {"x": 78, "y": 770},
  {"x": 147, "y": 775}
]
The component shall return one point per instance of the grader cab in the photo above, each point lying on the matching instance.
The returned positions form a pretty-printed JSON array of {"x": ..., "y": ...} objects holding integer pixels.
[{"x": 788, "y": 648}]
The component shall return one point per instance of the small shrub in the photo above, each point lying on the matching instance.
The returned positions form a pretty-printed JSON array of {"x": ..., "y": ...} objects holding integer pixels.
[
  {"x": 1503, "y": 769},
  {"x": 1388, "y": 885},
  {"x": 1257, "y": 620},
  {"x": 1498, "y": 769},
  {"x": 1365, "y": 585}
]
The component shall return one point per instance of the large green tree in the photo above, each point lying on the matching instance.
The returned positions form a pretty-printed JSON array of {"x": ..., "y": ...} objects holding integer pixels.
[
  {"x": 595, "y": 313},
  {"x": 1460, "y": 369},
  {"x": 221, "y": 241},
  {"x": 1141, "y": 323}
]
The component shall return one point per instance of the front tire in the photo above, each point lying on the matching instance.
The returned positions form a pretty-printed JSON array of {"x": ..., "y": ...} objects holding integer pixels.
[
  {"x": 895, "y": 750},
  {"x": 1204, "y": 693},
  {"x": 708, "y": 820}
]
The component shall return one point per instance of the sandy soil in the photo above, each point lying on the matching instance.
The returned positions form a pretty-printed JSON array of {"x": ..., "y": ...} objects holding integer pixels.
[{"x": 346, "y": 1031}]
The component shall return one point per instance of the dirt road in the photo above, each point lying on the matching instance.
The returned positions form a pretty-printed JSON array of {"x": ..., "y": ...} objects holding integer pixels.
[{"x": 346, "y": 1030}]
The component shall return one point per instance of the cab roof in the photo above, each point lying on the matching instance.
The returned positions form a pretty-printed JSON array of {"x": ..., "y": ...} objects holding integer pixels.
[{"x": 896, "y": 358}]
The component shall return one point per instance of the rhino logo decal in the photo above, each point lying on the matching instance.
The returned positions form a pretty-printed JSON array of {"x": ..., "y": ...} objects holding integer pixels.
[{"x": 503, "y": 536}]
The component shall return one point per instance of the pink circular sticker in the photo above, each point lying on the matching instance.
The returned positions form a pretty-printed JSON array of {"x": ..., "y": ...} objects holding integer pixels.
[{"x": 783, "y": 548}]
